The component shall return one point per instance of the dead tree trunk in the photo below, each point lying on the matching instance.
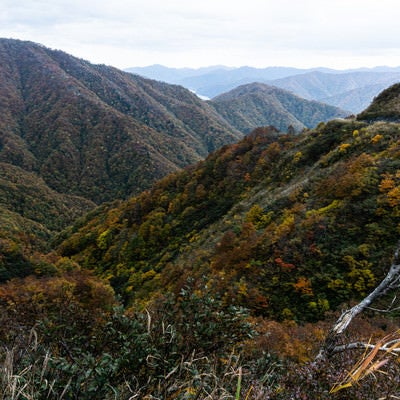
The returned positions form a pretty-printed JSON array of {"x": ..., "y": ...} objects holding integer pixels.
[{"x": 391, "y": 281}]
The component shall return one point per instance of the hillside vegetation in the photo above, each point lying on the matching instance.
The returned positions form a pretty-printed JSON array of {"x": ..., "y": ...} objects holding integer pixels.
[
  {"x": 253, "y": 105},
  {"x": 228, "y": 270},
  {"x": 220, "y": 281},
  {"x": 386, "y": 106},
  {"x": 30, "y": 214},
  {"x": 287, "y": 226},
  {"x": 73, "y": 135},
  {"x": 95, "y": 131}
]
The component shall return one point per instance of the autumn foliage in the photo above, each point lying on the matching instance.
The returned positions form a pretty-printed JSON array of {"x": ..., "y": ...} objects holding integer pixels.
[{"x": 220, "y": 280}]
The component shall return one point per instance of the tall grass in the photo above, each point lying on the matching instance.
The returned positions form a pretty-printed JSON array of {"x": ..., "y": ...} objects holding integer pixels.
[{"x": 25, "y": 376}]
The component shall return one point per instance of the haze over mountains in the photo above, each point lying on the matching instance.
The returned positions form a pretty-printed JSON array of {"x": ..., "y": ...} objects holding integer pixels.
[{"x": 351, "y": 90}]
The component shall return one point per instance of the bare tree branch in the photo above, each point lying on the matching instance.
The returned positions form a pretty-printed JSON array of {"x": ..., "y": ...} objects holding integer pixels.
[
  {"x": 392, "y": 307},
  {"x": 361, "y": 345},
  {"x": 388, "y": 283}
]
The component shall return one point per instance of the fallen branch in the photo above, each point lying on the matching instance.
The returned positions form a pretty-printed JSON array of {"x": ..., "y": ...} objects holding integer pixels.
[
  {"x": 390, "y": 282},
  {"x": 362, "y": 345}
]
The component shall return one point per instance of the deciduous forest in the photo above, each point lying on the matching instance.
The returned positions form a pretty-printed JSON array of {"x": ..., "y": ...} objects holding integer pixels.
[{"x": 224, "y": 279}]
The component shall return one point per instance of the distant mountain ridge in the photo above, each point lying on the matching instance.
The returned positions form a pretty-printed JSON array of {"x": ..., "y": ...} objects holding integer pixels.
[
  {"x": 356, "y": 100},
  {"x": 250, "y": 106},
  {"x": 212, "y": 81},
  {"x": 357, "y": 87},
  {"x": 353, "y": 90}
]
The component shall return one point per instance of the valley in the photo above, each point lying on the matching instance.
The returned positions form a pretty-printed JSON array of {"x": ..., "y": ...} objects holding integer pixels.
[{"x": 156, "y": 245}]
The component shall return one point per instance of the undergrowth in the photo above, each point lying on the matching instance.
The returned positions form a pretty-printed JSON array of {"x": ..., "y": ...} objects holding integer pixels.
[{"x": 184, "y": 346}]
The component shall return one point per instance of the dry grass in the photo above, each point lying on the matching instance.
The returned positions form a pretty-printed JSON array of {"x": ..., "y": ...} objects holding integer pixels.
[
  {"x": 372, "y": 360},
  {"x": 23, "y": 372}
]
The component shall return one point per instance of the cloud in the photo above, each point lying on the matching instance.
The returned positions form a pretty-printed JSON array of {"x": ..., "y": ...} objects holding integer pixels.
[{"x": 181, "y": 32}]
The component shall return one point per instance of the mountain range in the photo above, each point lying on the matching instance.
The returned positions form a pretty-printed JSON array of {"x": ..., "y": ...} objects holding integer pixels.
[
  {"x": 136, "y": 216},
  {"x": 90, "y": 130},
  {"x": 97, "y": 132},
  {"x": 74, "y": 135},
  {"x": 351, "y": 90},
  {"x": 257, "y": 104}
]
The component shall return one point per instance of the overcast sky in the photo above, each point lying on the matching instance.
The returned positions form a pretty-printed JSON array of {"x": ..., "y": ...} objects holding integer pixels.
[{"x": 125, "y": 33}]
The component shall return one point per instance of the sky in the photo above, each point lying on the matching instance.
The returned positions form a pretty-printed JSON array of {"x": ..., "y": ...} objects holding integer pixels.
[{"x": 338, "y": 34}]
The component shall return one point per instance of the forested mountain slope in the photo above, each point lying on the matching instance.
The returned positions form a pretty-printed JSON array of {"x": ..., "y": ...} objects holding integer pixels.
[
  {"x": 256, "y": 104},
  {"x": 73, "y": 135},
  {"x": 30, "y": 214},
  {"x": 288, "y": 226},
  {"x": 385, "y": 107},
  {"x": 292, "y": 227},
  {"x": 95, "y": 131}
]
